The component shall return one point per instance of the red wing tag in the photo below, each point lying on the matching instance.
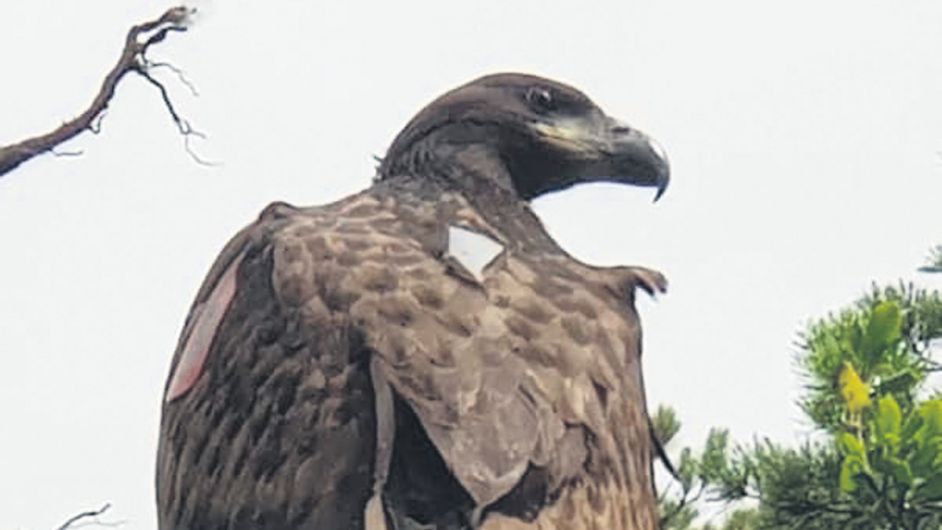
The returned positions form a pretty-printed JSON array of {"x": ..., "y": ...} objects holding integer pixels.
[{"x": 196, "y": 349}]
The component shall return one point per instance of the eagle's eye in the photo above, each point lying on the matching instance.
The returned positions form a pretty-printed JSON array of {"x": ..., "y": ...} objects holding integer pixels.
[{"x": 540, "y": 100}]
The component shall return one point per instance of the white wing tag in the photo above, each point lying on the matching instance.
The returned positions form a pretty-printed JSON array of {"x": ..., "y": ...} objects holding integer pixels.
[{"x": 472, "y": 250}]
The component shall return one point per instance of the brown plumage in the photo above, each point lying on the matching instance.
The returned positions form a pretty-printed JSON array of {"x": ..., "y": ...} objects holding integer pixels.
[{"x": 351, "y": 366}]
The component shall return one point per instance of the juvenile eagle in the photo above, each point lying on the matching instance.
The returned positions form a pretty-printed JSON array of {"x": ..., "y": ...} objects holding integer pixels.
[{"x": 423, "y": 355}]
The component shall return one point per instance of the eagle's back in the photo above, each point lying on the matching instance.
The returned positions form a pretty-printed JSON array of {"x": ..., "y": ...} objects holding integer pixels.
[{"x": 516, "y": 383}]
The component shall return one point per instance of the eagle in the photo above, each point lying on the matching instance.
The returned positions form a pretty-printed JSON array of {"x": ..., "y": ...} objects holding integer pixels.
[{"x": 423, "y": 355}]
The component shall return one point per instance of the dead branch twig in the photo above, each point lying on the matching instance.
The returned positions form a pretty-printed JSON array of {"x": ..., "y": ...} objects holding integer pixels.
[
  {"x": 91, "y": 514},
  {"x": 133, "y": 59}
]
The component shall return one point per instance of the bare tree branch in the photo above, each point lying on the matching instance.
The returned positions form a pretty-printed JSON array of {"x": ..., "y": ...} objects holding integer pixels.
[
  {"x": 133, "y": 59},
  {"x": 182, "y": 124},
  {"x": 181, "y": 75},
  {"x": 79, "y": 519}
]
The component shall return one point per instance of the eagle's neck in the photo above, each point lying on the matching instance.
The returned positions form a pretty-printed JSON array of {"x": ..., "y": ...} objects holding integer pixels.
[{"x": 477, "y": 173}]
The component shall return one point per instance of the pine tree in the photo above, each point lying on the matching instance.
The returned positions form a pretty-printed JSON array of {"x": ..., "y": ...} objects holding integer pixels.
[{"x": 878, "y": 463}]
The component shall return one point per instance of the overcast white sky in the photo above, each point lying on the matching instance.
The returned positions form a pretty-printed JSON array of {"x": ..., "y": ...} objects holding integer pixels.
[{"x": 805, "y": 139}]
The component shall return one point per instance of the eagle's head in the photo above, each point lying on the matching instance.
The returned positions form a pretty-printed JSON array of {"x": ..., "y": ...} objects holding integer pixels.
[{"x": 544, "y": 134}]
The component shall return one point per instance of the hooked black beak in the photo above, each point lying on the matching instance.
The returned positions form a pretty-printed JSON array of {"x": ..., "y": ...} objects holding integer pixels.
[
  {"x": 600, "y": 148},
  {"x": 637, "y": 158}
]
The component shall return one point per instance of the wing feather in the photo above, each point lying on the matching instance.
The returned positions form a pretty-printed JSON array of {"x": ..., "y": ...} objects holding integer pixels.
[{"x": 281, "y": 419}]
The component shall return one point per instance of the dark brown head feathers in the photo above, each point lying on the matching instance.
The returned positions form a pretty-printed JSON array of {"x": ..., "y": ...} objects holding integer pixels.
[{"x": 540, "y": 134}]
